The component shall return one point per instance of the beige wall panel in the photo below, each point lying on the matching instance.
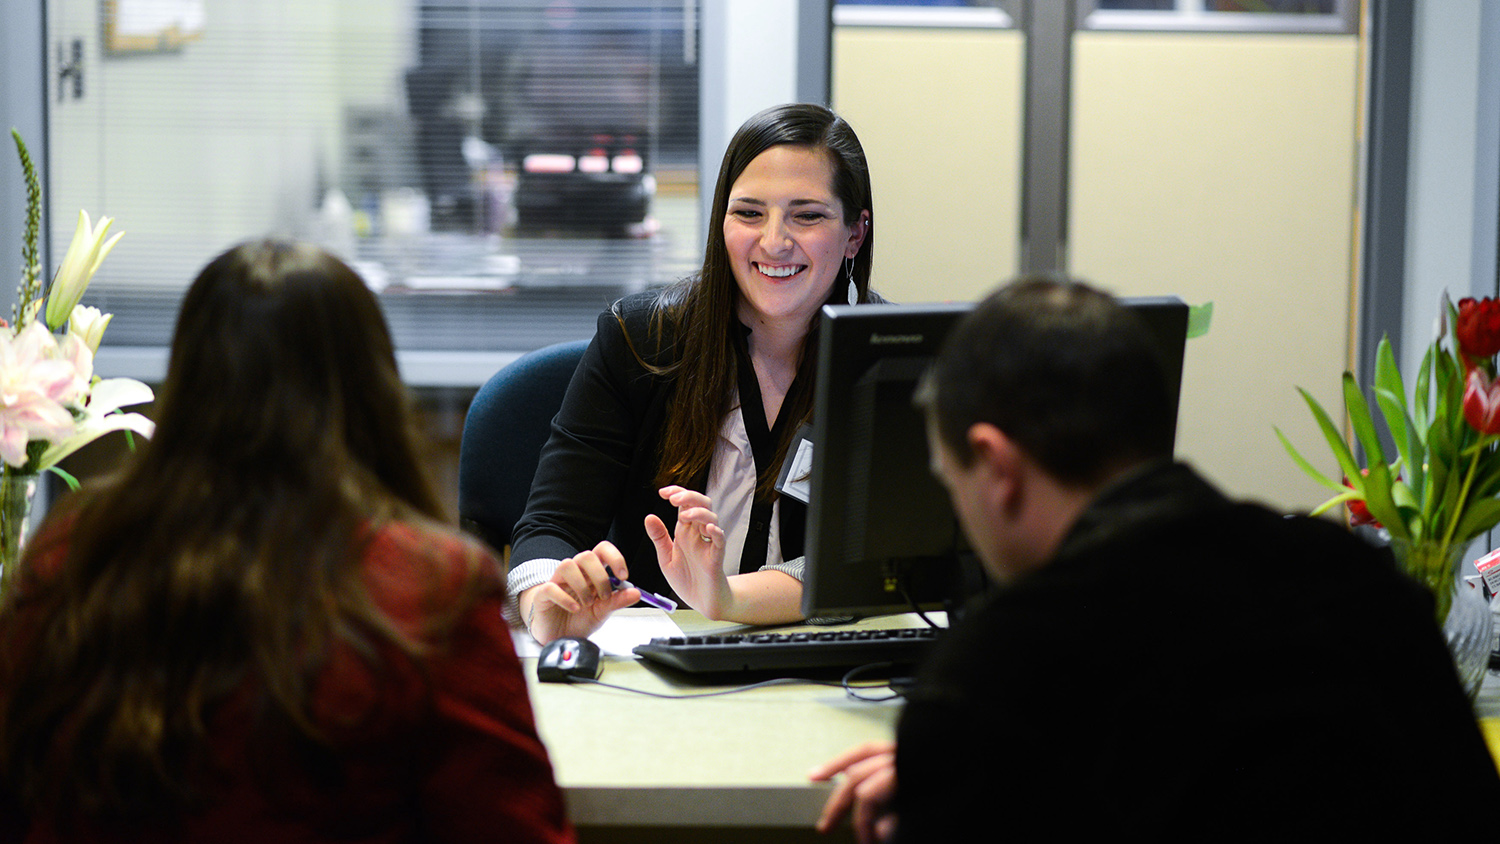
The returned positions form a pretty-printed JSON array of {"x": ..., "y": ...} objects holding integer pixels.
[
  {"x": 1222, "y": 168},
  {"x": 939, "y": 114}
]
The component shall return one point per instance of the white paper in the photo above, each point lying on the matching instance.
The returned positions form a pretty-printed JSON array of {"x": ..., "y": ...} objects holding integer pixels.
[{"x": 619, "y": 635}]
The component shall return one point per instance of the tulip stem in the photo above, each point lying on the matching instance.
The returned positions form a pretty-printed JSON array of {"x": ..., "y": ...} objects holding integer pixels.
[{"x": 1463, "y": 494}]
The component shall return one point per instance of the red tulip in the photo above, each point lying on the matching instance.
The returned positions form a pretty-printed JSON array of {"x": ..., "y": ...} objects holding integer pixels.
[
  {"x": 1359, "y": 514},
  {"x": 1478, "y": 327},
  {"x": 1482, "y": 402}
]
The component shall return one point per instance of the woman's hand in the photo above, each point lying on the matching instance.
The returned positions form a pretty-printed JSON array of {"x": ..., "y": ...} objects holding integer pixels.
[
  {"x": 579, "y": 597},
  {"x": 868, "y": 787},
  {"x": 693, "y": 559}
]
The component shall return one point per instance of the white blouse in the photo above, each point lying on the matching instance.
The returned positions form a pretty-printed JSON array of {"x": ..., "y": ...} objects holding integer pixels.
[{"x": 730, "y": 489}]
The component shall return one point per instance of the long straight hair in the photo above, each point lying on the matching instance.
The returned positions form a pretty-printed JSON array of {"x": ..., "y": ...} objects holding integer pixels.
[
  {"x": 701, "y": 312},
  {"x": 227, "y": 550}
]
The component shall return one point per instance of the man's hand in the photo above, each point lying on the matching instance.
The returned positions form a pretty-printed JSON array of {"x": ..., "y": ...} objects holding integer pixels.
[{"x": 868, "y": 787}]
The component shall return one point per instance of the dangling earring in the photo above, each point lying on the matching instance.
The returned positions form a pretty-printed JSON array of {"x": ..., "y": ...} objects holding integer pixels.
[{"x": 853, "y": 288}]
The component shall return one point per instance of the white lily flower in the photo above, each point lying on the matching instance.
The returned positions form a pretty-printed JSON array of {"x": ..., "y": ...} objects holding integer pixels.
[
  {"x": 100, "y": 417},
  {"x": 87, "y": 324},
  {"x": 111, "y": 394},
  {"x": 83, "y": 258}
]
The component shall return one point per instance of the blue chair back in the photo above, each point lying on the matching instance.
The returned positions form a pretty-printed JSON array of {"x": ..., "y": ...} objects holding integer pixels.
[{"x": 504, "y": 431}]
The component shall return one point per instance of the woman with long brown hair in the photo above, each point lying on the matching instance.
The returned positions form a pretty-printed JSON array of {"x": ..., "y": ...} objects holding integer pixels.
[
  {"x": 259, "y": 629},
  {"x": 663, "y": 460}
]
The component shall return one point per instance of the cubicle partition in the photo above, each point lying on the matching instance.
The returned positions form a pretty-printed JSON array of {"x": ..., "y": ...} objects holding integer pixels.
[{"x": 1220, "y": 166}]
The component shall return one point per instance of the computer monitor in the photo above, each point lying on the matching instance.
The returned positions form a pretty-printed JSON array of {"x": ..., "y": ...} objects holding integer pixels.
[{"x": 881, "y": 533}]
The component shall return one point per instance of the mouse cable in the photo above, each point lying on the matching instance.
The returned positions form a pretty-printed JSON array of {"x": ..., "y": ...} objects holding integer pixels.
[
  {"x": 895, "y": 684},
  {"x": 779, "y": 681}
]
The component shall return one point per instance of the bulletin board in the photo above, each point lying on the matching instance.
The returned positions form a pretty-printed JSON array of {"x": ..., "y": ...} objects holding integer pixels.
[{"x": 151, "y": 26}]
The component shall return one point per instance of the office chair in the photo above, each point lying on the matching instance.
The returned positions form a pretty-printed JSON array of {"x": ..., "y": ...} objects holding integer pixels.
[{"x": 504, "y": 431}]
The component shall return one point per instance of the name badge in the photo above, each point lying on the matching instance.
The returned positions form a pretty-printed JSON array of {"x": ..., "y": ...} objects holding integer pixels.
[{"x": 796, "y": 470}]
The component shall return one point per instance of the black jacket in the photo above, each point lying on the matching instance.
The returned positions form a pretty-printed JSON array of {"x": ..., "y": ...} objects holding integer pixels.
[
  {"x": 596, "y": 476},
  {"x": 1191, "y": 667}
]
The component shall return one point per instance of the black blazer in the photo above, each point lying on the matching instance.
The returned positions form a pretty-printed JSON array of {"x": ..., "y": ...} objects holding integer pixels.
[{"x": 597, "y": 474}]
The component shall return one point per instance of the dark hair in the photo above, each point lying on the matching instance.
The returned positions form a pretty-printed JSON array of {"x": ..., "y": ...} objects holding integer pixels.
[
  {"x": 226, "y": 550},
  {"x": 1063, "y": 370},
  {"x": 702, "y": 310}
]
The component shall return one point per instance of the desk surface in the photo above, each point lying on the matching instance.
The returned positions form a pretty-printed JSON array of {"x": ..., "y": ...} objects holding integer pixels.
[{"x": 626, "y": 759}]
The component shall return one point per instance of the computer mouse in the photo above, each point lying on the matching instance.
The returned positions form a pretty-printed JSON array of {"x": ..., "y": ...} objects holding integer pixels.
[{"x": 566, "y": 660}]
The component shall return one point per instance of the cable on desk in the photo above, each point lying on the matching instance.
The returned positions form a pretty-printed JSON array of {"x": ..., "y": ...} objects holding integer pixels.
[
  {"x": 779, "y": 681},
  {"x": 893, "y": 684},
  {"x": 902, "y": 585}
]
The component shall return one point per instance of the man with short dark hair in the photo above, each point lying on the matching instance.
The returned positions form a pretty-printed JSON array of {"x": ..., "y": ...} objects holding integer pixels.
[{"x": 1155, "y": 659}]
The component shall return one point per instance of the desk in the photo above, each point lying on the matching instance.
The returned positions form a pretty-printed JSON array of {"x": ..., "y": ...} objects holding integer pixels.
[
  {"x": 727, "y": 769},
  {"x": 644, "y": 768}
]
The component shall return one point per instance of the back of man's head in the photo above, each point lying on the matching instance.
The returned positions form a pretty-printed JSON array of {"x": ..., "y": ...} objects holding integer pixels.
[{"x": 1062, "y": 369}]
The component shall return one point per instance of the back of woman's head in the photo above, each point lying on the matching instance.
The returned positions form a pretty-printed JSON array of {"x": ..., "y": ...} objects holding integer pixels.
[
  {"x": 281, "y": 366},
  {"x": 226, "y": 552}
]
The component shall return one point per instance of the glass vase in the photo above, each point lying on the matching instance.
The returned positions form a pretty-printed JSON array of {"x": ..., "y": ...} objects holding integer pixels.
[
  {"x": 1461, "y": 610},
  {"x": 17, "y": 489},
  {"x": 1468, "y": 628}
]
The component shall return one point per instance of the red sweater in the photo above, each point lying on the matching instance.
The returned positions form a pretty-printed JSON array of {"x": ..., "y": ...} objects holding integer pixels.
[{"x": 438, "y": 749}]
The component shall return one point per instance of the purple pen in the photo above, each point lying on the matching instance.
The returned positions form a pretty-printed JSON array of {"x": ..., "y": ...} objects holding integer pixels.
[{"x": 651, "y": 598}]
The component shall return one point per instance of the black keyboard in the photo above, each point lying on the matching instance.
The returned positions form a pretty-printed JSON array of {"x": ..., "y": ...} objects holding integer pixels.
[{"x": 828, "y": 649}]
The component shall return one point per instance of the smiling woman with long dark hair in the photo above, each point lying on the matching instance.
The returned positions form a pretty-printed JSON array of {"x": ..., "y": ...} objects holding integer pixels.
[
  {"x": 663, "y": 459},
  {"x": 259, "y": 629}
]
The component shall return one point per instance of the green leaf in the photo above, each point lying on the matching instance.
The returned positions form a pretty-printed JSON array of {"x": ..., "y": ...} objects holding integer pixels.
[
  {"x": 1420, "y": 395},
  {"x": 1377, "y": 484},
  {"x": 1200, "y": 318},
  {"x": 1415, "y": 524},
  {"x": 1393, "y": 410},
  {"x": 1439, "y": 469},
  {"x": 1378, "y": 500},
  {"x": 1306, "y": 467},
  {"x": 1415, "y": 468},
  {"x": 1347, "y": 495},
  {"x": 1390, "y": 394},
  {"x": 1447, "y": 500},
  {"x": 1487, "y": 480},
  {"x": 68, "y": 479},
  {"x": 1481, "y": 515},
  {"x": 1402, "y": 495},
  {"x": 1449, "y": 386},
  {"x": 1387, "y": 374},
  {"x": 1334, "y": 437},
  {"x": 1363, "y": 422}
]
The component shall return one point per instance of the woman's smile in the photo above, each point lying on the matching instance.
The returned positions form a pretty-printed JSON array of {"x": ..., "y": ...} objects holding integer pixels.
[{"x": 784, "y": 271}]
